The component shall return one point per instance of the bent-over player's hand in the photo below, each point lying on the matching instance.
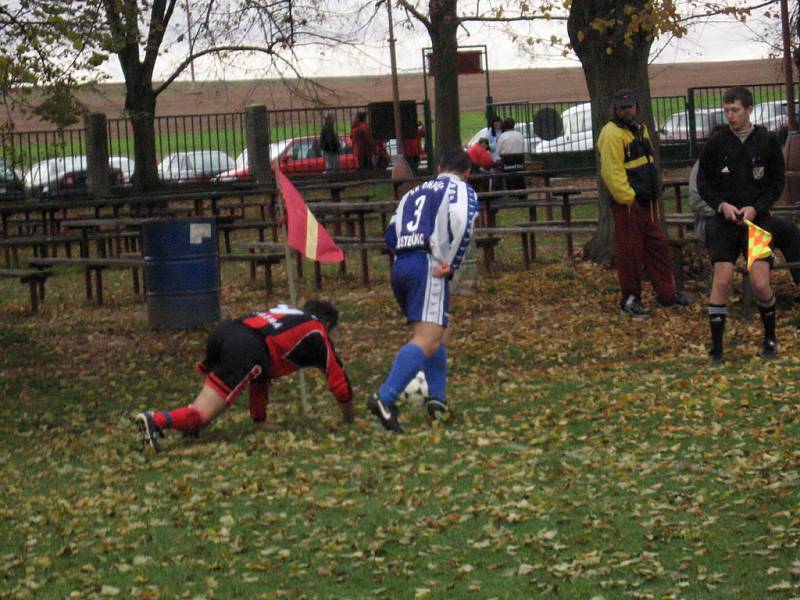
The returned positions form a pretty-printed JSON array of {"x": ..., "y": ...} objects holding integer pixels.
[
  {"x": 347, "y": 412},
  {"x": 442, "y": 270}
]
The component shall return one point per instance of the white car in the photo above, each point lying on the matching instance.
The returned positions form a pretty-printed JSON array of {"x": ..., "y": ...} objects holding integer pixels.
[
  {"x": 773, "y": 115},
  {"x": 531, "y": 139},
  {"x": 198, "y": 165},
  {"x": 676, "y": 127},
  {"x": 578, "y": 134},
  {"x": 64, "y": 175}
]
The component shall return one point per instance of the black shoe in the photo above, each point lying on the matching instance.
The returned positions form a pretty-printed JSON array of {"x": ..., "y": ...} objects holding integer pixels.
[
  {"x": 386, "y": 413},
  {"x": 148, "y": 431},
  {"x": 680, "y": 299},
  {"x": 770, "y": 348},
  {"x": 634, "y": 308},
  {"x": 716, "y": 358},
  {"x": 437, "y": 409}
]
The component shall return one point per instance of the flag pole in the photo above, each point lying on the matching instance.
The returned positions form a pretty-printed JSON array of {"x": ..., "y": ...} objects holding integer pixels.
[{"x": 292, "y": 290}]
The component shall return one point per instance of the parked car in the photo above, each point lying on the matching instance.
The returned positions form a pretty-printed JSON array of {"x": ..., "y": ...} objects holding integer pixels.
[
  {"x": 241, "y": 170},
  {"x": 578, "y": 135},
  {"x": 773, "y": 115},
  {"x": 676, "y": 127},
  {"x": 197, "y": 165},
  {"x": 298, "y": 156},
  {"x": 124, "y": 164},
  {"x": 63, "y": 175},
  {"x": 10, "y": 181}
]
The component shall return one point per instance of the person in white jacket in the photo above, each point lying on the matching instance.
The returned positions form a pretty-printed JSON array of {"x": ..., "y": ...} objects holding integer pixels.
[{"x": 428, "y": 236}]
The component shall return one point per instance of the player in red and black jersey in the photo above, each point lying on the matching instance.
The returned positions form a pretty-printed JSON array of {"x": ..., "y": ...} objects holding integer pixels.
[{"x": 251, "y": 351}]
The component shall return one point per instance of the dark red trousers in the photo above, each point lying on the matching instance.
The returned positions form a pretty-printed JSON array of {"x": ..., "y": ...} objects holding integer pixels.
[{"x": 640, "y": 245}]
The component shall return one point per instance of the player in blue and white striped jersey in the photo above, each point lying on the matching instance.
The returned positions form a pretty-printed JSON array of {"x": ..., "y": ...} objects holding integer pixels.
[{"x": 428, "y": 236}]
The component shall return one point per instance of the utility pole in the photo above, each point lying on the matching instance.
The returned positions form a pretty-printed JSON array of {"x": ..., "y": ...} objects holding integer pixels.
[
  {"x": 401, "y": 170},
  {"x": 191, "y": 39}
]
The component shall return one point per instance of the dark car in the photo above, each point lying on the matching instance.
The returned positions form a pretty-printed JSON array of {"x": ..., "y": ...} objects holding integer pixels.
[{"x": 10, "y": 182}]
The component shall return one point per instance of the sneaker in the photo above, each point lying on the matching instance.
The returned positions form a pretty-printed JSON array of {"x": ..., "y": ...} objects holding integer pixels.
[
  {"x": 148, "y": 431},
  {"x": 386, "y": 413},
  {"x": 634, "y": 308},
  {"x": 770, "y": 348},
  {"x": 680, "y": 299},
  {"x": 437, "y": 409}
]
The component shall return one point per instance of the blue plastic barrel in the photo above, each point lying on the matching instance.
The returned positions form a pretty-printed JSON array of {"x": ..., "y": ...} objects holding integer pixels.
[{"x": 181, "y": 272}]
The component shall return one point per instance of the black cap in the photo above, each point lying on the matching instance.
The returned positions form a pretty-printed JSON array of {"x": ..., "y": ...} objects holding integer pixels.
[{"x": 624, "y": 98}]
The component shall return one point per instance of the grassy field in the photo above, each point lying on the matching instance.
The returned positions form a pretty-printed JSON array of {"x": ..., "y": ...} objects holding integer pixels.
[{"x": 587, "y": 455}]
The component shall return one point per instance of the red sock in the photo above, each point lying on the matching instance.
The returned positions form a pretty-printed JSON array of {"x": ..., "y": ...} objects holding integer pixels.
[{"x": 182, "y": 419}]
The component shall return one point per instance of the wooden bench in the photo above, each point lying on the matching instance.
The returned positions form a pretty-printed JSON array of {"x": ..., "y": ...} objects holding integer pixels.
[
  {"x": 747, "y": 290},
  {"x": 260, "y": 226},
  {"x": 486, "y": 236},
  {"x": 266, "y": 260},
  {"x": 40, "y": 244},
  {"x": 97, "y": 266},
  {"x": 35, "y": 278}
]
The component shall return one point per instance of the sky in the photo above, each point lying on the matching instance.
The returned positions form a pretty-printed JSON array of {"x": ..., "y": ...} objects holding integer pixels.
[{"x": 721, "y": 40}]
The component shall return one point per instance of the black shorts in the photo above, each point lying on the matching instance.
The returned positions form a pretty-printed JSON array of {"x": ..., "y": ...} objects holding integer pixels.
[
  {"x": 727, "y": 241},
  {"x": 232, "y": 350}
]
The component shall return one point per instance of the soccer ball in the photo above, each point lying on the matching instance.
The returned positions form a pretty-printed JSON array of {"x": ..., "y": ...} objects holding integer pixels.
[{"x": 416, "y": 391}]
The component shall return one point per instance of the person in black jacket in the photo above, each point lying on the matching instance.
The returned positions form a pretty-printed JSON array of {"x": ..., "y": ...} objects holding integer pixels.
[
  {"x": 741, "y": 176},
  {"x": 329, "y": 143}
]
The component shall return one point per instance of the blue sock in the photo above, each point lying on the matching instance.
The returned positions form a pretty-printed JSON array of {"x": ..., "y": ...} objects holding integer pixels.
[
  {"x": 407, "y": 364},
  {"x": 436, "y": 374}
]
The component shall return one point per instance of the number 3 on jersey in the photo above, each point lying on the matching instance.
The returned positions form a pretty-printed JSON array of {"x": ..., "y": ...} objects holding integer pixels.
[{"x": 419, "y": 203}]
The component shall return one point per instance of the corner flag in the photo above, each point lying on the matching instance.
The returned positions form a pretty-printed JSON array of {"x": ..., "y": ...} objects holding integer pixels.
[
  {"x": 758, "y": 240},
  {"x": 304, "y": 233}
]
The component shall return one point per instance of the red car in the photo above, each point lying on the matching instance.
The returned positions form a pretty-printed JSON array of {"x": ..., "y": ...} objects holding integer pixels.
[{"x": 297, "y": 156}]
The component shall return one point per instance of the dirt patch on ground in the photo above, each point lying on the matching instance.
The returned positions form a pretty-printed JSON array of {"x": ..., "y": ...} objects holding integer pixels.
[{"x": 536, "y": 85}]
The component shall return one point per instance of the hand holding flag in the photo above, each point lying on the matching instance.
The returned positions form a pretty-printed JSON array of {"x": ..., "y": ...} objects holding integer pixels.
[{"x": 758, "y": 241}]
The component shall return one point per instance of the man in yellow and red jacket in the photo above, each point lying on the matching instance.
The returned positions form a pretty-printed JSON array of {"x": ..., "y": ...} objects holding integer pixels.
[{"x": 628, "y": 170}]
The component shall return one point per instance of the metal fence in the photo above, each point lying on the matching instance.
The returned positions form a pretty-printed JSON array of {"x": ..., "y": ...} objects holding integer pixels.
[{"x": 42, "y": 163}]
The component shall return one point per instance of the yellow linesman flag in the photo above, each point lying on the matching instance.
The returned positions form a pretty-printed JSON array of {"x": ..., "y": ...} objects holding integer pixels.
[{"x": 757, "y": 243}]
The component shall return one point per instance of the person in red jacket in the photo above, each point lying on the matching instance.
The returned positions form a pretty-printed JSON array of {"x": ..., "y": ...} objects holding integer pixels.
[
  {"x": 480, "y": 156},
  {"x": 363, "y": 144},
  {"x": 251, "y": 351}
]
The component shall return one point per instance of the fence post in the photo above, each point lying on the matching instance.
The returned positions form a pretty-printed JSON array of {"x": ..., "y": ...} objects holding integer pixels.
[
  {"x": 98, "y": 173},
  {"x": 258, "y": 142},
  {"x": 691, "y": 123}
]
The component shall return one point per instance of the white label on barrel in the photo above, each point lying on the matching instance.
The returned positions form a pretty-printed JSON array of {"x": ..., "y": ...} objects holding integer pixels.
[{"x": 199, "y": 232}]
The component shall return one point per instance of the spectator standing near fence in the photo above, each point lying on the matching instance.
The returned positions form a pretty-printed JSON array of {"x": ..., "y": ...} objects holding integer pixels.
[
  {"x": 493, "y": 132},
  {"x": 363, "y": 145},
  {"x": 628, "y": 170},
  {"x": 428, "y": 236},
  {"x": 329, "y": 143},
  {"x": 741, "y": 175},
  {"x": 412, "y": 148},
  {"x": 251, "y": 351}
]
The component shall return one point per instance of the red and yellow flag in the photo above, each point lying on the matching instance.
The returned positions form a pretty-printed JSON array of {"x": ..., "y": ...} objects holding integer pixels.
[
  {"x": 305, "y": 234},
  {"x": 758, "y": 240}
]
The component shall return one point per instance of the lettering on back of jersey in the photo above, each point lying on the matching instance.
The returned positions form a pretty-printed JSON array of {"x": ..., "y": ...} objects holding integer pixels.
[{"x": 411, "y": 241}]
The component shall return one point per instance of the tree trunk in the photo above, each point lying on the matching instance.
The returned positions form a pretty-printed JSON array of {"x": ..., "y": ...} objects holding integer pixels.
[
  {"x": 442, "y": 28},
  {"x": 140, "y": 104},
  {"x": 608, "y": 65}
]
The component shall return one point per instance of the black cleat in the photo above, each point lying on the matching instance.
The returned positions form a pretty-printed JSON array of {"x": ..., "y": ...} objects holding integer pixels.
[
  {"x": 386, "y": 413},
  {"x": 148, "y": 431},
  {"x": 437, "y": 409},
  {"x": 770, "y": 348},
  {"x": 678, "y": 300},
  {"x": 716, "y": 358}
]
